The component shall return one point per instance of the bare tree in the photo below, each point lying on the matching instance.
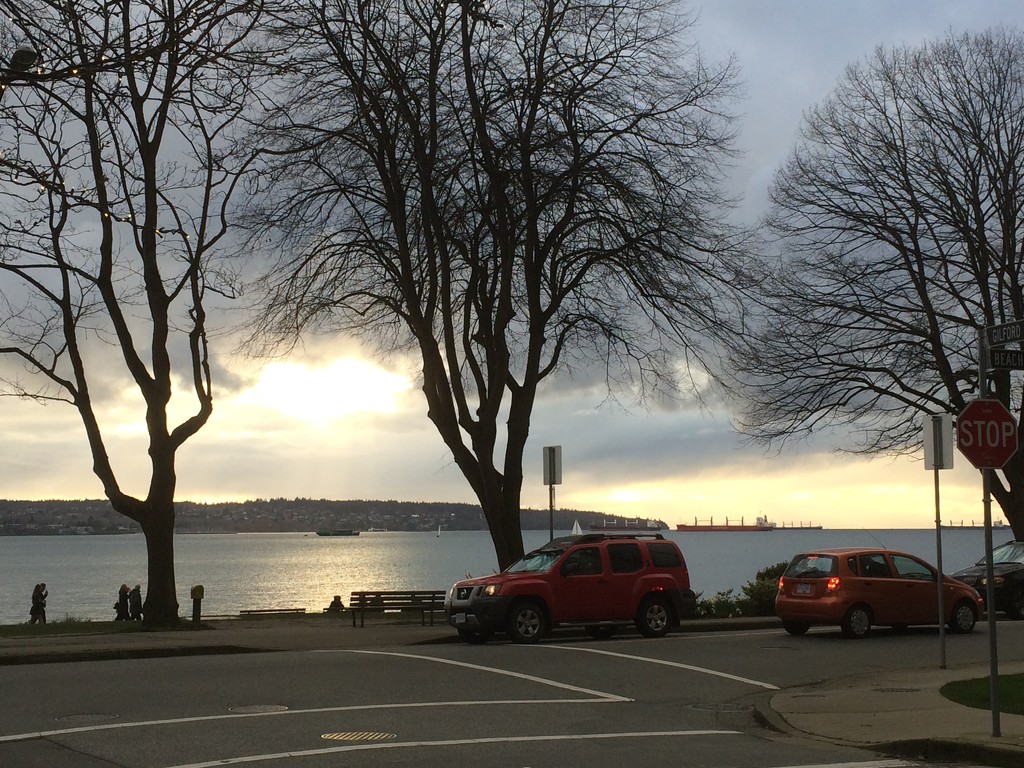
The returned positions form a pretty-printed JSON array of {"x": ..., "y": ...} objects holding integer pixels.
[
  {"x": 114, "y": 179},
  {"x": 900, "y": 214},
  {"x": 506, "y": 191}
]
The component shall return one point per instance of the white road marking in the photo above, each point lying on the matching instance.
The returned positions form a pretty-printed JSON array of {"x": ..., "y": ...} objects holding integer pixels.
[
  {"x": 314, "y": 711},
  {"x": 494, "y": 671},
  {"x": 449, "y": 743},
  {"x": 597, "y": 697},
  {"x": 678, "y": 665}
]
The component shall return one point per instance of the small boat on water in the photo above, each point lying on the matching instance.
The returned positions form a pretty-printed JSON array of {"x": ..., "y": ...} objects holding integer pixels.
[
  {"x": 337, "y": 532},
  {"x": 761, "y": 524}
]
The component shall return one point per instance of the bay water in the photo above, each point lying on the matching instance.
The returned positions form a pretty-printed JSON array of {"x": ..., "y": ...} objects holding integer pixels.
[{"x": 303, "y": 570}]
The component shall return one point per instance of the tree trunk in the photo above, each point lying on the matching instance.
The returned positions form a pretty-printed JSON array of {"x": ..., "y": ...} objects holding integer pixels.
[
  {"x": 506, "y": 531},
  {"x": 161, "y": 606},
  {"x": 1010, "y": 495}
]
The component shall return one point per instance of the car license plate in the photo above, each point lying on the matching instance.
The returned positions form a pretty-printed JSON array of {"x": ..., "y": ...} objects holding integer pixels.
[
  {"x": 459, "y": 618},
  {"x": 803, "y": 589}
]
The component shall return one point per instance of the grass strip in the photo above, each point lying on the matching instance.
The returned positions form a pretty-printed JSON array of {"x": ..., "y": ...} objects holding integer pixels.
[{"x": 975, "y": 693}]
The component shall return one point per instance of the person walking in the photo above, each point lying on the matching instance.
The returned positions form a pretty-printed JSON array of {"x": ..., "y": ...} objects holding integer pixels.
[
  {"x": 135, "y": 603},
  {"x": 121, "y": 606},
  {"x": 38, "y": 611}
]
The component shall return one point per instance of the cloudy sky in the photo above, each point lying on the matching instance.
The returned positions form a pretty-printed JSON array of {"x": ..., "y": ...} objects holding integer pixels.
[{"x": 330, "y": 423}]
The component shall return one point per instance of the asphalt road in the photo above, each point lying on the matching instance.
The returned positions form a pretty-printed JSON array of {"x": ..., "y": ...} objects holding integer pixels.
[{"x": 684, "y": 700}]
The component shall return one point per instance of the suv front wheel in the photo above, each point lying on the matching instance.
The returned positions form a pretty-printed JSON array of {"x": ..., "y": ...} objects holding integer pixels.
[
  {"x": 1016, "y": 608},
  {"x": 654, "y": 617},
  {"x": 527, "y": 622}
]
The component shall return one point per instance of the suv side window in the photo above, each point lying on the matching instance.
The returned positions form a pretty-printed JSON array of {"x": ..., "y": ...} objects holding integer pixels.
[
  {"x": 585, "y": 561},
  {"x": 664, "y": 555},
  {"x": 625, "y": 558},
  {"x": 908, "y": 568},
  {"x": 873, "y": 566}
]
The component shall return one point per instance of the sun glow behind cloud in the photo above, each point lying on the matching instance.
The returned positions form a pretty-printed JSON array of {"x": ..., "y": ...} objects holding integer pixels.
[{"x": 318, "y": 395}]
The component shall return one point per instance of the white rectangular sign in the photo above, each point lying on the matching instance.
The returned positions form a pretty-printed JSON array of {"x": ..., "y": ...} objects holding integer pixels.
[
  {"x": 552, "y": 465},
  {"x": 938, "y": 441}
]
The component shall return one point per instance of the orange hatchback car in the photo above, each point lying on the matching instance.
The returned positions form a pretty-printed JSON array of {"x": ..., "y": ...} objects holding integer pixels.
[{"x": 857, "y": 588}]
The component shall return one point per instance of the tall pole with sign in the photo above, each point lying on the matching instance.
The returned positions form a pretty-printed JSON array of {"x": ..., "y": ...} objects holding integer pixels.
[
  {"x": 938, "y": 454},
  {"x": 987, "y": 435},
  {"x": 552, "y": 477}
]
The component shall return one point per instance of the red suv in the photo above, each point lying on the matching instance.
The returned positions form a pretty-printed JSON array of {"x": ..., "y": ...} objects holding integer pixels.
[{"x": 598, "y": 581}]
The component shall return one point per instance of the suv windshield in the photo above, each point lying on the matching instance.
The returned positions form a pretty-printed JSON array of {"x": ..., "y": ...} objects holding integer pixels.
[
  {"x": 1010, "y": 552},
  {"x": 535, "y": 562}
]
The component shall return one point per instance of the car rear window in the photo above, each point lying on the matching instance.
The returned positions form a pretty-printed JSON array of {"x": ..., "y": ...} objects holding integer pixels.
[
  {"x": 812, "y": 567},
  {"x": 625, "y": 558},
  {"x": 873, "y": 566},
  {"x": 665, "y": 555}
]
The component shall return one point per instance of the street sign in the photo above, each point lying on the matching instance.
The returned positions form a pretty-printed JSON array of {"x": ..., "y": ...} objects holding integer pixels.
[
  {"x": 1007, "y": 333},
  {"x": 938, "y": 441},
  {"x": 1009, "y": 359},
  {"x": 986, "y": 434},
  {"x": 552, "y": 465}
]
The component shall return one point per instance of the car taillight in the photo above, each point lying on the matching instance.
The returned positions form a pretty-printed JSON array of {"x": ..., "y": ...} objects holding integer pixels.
[
  {"x": 782, "y": 582},
  {"x": 832, "y": 584}
]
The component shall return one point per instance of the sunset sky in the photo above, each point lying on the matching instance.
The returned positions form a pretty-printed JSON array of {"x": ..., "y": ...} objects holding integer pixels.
[{"x": 330, "y": 422}]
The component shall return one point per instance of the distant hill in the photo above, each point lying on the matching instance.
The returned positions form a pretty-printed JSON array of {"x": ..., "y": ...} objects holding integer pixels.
[{"x": 94, "y": 516}]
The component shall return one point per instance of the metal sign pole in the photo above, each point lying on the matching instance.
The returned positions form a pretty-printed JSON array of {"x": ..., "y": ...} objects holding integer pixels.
[
  {"x": 552, "y": 477},
  {"x": 990, "y": 602},
  {"x": 990, "y": 597},
  {"x": 938, "y": 443},
  {"x": 551, "y": 512}
]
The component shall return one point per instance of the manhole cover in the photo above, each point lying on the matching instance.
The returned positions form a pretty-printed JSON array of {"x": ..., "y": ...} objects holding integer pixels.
[
  {"x": 256, "y": 709},
  {"x": 358, "y": 736},
  {"x": 719, "y": 707},
  {"x": 94, "y": 717}
]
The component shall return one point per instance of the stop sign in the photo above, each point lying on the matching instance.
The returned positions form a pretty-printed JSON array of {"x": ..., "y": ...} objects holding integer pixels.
[{"x": 986, "y": 434}]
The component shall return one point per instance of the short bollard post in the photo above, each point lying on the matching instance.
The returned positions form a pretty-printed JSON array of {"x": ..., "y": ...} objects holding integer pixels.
[{"x": 197, "y": 603}]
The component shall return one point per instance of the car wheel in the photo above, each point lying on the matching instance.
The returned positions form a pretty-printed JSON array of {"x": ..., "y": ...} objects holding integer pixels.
[
  {"x": 474, "y": 638},
  {"x": 1015, "y": 606},
  {"x": 857, "y": 622},
  {"x": 527, "y": 622},
  {"x": 601, "y": 632},
  {"x": 654, "y": 618},
  {"x": 796, "y": 627},
  {"x": 963, "y": 619}
]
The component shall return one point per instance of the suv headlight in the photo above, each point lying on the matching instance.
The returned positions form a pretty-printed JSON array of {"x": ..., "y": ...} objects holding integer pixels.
[{"x": 491, "y": 590}]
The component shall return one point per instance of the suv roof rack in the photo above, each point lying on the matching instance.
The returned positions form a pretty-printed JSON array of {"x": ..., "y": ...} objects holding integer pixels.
[{"x": 605, "y": 535}]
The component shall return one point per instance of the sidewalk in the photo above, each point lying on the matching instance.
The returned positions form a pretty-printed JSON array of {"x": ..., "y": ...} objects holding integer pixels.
[{"x": 902, "y": 713}]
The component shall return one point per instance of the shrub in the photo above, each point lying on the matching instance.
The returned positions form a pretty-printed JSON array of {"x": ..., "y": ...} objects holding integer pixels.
[{"x": 758, "y": 598}]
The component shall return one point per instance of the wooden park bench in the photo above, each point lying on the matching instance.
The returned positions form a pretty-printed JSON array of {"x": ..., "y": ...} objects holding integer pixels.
[
  {"x": 259, "y": 612},
  {"x": 426, "y": 601}
]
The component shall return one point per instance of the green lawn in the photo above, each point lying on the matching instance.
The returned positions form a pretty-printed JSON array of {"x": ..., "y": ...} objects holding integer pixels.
[{"x": 975, "y": 693}]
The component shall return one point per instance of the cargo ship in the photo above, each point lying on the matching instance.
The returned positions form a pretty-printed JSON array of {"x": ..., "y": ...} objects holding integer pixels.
[
  {"x": 760, "y": 524},
  {"x": 337, "y": 532},
  {"x": 635, "y": 524}
]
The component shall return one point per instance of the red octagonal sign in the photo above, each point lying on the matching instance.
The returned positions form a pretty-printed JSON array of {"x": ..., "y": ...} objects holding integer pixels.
[{"x": 986, "y": 433}]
